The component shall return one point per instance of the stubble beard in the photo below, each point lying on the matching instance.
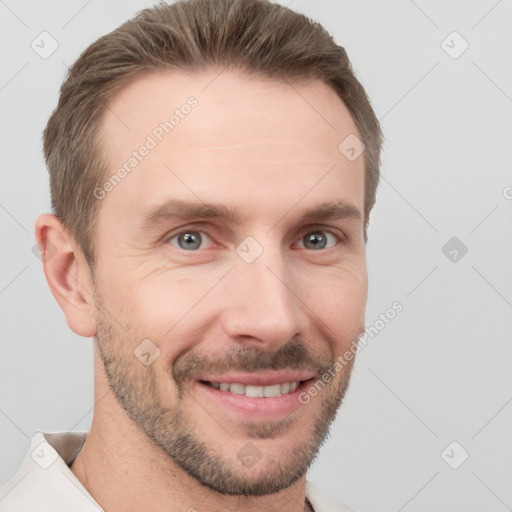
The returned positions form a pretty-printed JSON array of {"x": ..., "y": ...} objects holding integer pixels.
[{"x": 135, "y": 388}]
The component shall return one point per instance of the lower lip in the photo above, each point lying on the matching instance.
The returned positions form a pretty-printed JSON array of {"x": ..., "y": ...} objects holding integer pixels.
[{"x": 259, "y": 407}]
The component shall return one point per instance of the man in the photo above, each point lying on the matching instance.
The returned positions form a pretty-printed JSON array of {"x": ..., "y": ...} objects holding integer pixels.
[{"x": 212, "y": 165}]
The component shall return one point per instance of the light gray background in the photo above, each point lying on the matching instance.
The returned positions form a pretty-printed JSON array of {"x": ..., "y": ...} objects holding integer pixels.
[{"x": 440, "y": 371}]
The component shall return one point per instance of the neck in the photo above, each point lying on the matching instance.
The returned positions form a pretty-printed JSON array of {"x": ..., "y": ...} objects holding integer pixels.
[{"x": 124, "y": 471}]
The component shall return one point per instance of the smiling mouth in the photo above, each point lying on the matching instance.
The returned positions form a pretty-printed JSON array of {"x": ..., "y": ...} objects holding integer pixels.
[
  {"x": 279, "y": 397},
  {"x": 274, "y": 390}
]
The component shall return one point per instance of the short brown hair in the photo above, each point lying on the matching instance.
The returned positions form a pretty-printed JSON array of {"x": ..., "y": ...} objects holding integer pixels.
[{"x": 253, "y": 35}]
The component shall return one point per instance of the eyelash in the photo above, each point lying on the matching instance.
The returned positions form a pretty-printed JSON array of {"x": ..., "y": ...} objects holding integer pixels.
[{"x": 341, "y": 238}]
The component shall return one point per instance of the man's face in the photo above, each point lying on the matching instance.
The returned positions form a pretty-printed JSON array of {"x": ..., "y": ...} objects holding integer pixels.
[{"x": 263, "y": 297}]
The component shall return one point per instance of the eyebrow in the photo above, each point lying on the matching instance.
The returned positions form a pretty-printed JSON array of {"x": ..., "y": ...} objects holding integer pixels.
[{"x": 184, "y": 210}]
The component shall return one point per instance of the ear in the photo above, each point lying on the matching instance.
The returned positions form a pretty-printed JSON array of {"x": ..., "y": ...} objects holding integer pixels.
[{"x": 67, "y": 273}]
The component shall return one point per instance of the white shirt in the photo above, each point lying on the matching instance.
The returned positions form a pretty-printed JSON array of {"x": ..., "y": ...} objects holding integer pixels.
[{"x": 45, "y": 483}]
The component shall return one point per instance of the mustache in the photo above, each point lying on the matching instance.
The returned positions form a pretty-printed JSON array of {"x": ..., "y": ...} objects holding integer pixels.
[{"x": 295, "y": 355}]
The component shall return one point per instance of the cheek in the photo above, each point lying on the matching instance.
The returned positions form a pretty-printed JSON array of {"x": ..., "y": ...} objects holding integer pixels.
[
  {"x": 339, "y": 300},
  {"x": 345, "y": 306},
  {"x": 171, "y": 310}
]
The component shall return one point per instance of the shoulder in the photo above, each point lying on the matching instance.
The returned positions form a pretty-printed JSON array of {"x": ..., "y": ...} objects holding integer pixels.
[{"x": 322, "y": 502}]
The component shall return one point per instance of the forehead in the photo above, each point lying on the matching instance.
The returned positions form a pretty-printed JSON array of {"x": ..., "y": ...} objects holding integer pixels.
[
  {"x": 229, "y": 136},
  {"x": 256, "y": 102}
]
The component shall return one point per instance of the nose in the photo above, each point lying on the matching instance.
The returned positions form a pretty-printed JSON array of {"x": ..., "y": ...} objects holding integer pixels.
[{"x": 263, "y": 308}]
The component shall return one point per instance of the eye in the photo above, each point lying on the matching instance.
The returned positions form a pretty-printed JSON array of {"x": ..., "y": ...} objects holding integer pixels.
[
  {"x": 188, "y": 240},
  {"x": 319, "y": 239}
]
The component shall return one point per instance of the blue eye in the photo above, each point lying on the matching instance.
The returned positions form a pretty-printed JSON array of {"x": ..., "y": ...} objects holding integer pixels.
[
  {"x": 188, "y": 240},
  {"x": 318, "y": 240},
  {"x": 194, "y": 240}
]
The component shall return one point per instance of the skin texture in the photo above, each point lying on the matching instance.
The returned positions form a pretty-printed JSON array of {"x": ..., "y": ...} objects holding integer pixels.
[{"x": 267, "y": 150}]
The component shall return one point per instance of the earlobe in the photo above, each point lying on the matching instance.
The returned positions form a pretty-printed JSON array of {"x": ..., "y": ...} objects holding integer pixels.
[{"x": 67, "y": 273}]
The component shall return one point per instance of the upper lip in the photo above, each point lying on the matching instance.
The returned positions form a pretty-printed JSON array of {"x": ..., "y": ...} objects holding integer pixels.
[{"x": 267, "y": 378}]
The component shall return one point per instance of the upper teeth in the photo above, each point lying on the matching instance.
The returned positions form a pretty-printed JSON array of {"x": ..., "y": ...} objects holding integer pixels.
[{"x": 257, "y": 391}]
